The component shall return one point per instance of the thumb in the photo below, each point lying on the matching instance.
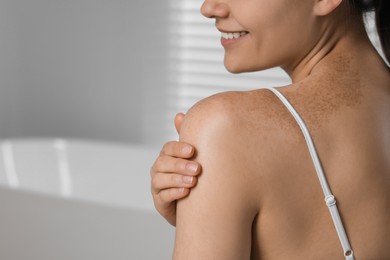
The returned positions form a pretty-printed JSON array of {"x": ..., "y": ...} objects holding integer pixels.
[{"x": 178, "y": 121}]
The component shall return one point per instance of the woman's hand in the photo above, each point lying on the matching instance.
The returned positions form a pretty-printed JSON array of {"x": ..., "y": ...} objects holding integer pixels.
[{"x": 173, "y": 175}]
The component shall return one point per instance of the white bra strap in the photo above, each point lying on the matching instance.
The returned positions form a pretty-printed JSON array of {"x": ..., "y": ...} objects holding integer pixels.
[{"x": 329, "y": 198}]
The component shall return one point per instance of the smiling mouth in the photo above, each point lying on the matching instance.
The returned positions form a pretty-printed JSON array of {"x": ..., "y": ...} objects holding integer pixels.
[{"x": 232, "y": 35}]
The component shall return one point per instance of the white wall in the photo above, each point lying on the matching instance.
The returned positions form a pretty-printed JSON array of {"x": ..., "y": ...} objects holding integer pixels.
[{"x": 94, "y": 69}]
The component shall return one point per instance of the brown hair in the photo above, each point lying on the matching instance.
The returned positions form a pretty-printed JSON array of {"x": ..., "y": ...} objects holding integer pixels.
[{"x": 382, "y": 15}]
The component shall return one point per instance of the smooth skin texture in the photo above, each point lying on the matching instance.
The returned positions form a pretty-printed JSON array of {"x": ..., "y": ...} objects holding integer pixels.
[{"x": 258, "y": 196}]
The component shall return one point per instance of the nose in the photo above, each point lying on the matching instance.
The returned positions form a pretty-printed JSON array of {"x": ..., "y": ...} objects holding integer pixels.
[{"x": 214, "y": 9}]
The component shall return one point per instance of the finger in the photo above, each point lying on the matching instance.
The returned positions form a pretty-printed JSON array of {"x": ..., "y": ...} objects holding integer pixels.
[
  {"x": 168, "y": 196},
  {"x": 178, "y": 121},
  {"x": 162, "y": 181},
  {"x": 178, "y": 149},
  {"x": 168, "y": 164},
  {"x": 165, "y": 202}
]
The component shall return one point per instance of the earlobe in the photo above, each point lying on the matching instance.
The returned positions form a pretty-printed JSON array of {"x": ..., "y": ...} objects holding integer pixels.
[{"x": 325, "y": 7}]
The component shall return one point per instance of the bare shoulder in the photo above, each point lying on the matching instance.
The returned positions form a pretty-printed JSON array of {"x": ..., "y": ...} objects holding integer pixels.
[
  {"x": 245, "y": 133},
  {"x": 256, "y": 115}
]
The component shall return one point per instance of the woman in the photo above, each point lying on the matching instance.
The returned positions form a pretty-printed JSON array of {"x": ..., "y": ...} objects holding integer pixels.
[{"x": 260, "y": 194}]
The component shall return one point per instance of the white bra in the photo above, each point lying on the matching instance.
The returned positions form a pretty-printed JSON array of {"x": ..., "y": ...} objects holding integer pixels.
[{"x": 329, "y": 197}]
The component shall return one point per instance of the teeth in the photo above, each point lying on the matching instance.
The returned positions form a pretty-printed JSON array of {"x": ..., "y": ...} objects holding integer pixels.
[{"x": 235, "y": 35}]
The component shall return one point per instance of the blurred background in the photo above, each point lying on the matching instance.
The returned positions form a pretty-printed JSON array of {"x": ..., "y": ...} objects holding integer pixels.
[
  {"x": 108, "y": 70},
  {"x": 88, "y": 93},
  {"x": 83, "y": 69}
]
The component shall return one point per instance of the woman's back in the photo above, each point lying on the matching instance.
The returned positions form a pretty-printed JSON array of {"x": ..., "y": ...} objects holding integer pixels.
[{"x": 350, "y": 127}]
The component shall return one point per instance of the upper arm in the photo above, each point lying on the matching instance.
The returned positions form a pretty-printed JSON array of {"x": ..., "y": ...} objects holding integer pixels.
[{"x": 215, "y": 221}]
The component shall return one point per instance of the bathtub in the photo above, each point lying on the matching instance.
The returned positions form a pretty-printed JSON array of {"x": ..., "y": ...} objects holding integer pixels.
[{"x": 75, "y": 199}]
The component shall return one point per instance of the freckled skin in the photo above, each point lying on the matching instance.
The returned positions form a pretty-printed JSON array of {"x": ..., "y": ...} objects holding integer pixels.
[
  {"x": 327, "y": 92},
  {"x": 321, "y": 95}
]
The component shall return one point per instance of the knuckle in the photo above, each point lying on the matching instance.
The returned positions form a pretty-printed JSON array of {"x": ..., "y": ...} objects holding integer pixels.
[
  {"x": 159, "y": 199},
  {"x": 166, "y": 197},
  {"x": 165, "y": 147},
  {"x": 152, "y": 171},
  {"x": 155, "y": 183},
  {"x": 158, "y": 164}
]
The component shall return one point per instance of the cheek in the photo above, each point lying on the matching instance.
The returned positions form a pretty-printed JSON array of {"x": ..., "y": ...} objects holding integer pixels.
[{"x": 258, "y": 52}]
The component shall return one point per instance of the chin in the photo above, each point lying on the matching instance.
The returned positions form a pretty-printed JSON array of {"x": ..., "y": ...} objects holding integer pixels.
[
  {"x": 237, "y": 68},
  {"x": 234, "y": 67},
  {"x": 234, "y": 70}
]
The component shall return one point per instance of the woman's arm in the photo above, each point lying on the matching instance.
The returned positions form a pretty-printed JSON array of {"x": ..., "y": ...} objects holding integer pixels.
[
  {"x": 215, "y": 221},
  {"x": 173, "y": 174}
]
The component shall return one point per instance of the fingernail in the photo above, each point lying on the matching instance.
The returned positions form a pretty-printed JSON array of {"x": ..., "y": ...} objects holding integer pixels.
[
  {"x": 187, "y": 149},
  {"x": 188, "y": 179},
  {"x": 181, "y": 190},
  {"x": 192, "y": 167}
]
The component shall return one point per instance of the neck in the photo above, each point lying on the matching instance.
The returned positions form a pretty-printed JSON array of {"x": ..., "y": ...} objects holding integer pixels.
[{"x": 334, "y": 41}]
